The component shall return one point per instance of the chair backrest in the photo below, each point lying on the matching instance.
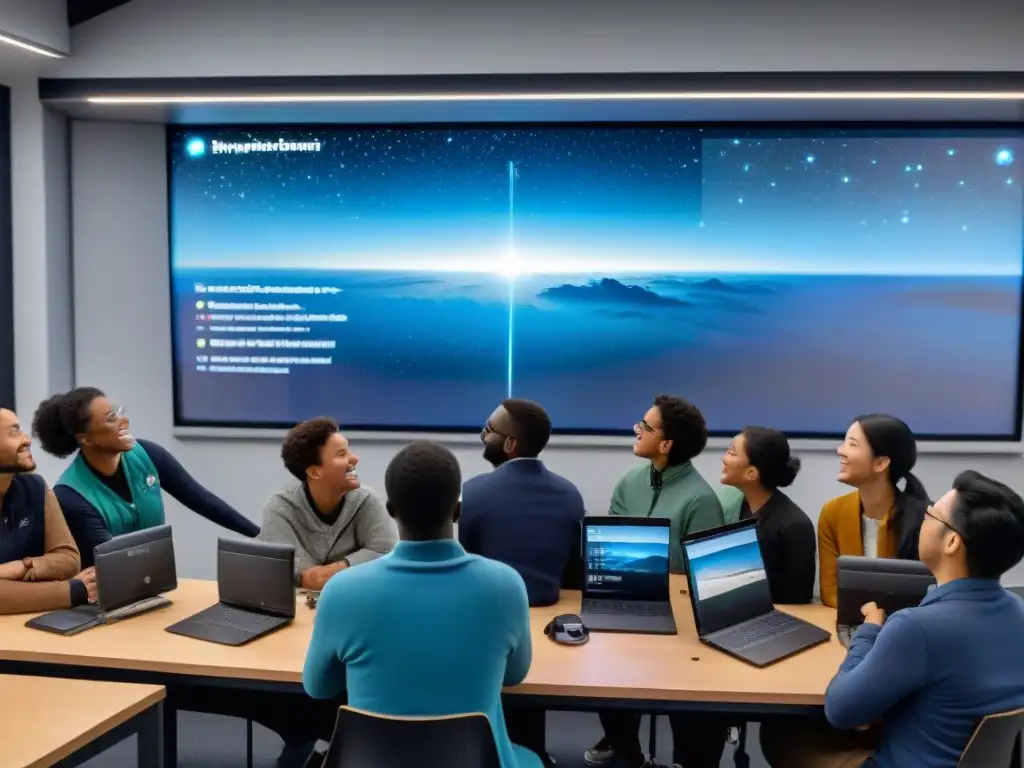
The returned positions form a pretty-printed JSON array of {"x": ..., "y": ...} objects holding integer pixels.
[
  {"x": 367, "y": 740},
  {"x": 993, "y": 741}
]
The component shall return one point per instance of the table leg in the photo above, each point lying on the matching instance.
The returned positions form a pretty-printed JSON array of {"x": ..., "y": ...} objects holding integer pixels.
[
  {"x": 170, "y": 733},
  {"x": 150, "y": 738}
]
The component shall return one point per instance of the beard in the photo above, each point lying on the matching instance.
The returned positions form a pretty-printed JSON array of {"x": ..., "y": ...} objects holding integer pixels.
[
  {"x": 494, "y": 454},
  {"x": 17, "y": 469}
]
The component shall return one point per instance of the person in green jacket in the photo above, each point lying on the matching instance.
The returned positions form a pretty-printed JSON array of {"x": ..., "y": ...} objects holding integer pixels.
[{"x": 670, "y": 435}]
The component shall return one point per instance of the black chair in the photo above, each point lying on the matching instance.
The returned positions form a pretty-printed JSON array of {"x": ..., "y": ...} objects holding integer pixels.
[
  {"x": 994, "y": 741},
  {"x": 367, "y": 740}
]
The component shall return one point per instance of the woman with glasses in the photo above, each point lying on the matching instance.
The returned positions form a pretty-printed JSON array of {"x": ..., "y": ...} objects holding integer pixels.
[{"x": 113, "y": 485}]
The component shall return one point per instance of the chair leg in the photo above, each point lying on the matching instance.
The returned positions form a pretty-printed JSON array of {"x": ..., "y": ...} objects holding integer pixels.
[{"x": 248, "y": 743}]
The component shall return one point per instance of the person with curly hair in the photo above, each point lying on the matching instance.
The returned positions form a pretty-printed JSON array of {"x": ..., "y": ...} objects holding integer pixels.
[
  {"x": 669, "y": 436},
  {"x": 113, "y": 485},
  {"x": 330, "y": 519}
]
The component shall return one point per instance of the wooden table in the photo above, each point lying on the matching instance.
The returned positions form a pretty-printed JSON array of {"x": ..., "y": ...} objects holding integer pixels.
[
  {"x": 648, "y": 673},
  {"x": 55, "y": 722}
]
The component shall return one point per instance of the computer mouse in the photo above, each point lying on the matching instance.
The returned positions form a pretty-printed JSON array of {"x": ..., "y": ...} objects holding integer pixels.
[{"x": 567, "y": 629}]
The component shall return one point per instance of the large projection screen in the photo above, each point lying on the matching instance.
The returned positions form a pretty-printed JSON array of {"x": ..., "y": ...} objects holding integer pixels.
[{"x": 408, "y": 278}]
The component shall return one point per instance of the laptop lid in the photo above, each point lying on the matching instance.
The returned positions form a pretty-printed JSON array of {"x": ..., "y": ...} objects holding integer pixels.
[
  {"x": 135, "y": 566},
  {"x": 726, "y": 574},
  {"x": 626, "y": 558},
  {"x": 891, "y": 584},
  {"x": 257, "y": 576}
]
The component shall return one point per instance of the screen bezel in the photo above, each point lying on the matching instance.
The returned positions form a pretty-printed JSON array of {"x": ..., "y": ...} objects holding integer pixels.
[
  {"x": 623, "y": 521},
  {"x": 739, "y": 129}
]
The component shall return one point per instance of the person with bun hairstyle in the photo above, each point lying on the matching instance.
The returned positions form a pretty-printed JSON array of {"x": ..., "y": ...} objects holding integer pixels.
[
  {"x": 113, "y": 484},
  {"x": 758, "y": 463},
  {"x": 883, "y": 516}
]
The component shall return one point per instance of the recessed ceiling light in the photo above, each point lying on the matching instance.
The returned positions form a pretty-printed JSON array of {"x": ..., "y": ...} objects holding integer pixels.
[{"x": 583, "y": 96}]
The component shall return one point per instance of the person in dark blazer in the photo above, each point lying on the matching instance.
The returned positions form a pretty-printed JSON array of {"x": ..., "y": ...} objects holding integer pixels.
[
  {"x": 526, "y": 516},
  {"x": 523, "y": 514}
]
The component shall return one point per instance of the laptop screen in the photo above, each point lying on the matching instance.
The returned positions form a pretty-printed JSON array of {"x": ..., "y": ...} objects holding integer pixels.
[
  {"x": 626, "y": 562},
  {"x": 728, "y": 583}
]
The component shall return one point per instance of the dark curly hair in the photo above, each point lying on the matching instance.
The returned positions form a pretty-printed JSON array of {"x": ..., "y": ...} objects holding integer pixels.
[
  {"x": 303, "y": 443},
  {"x": 423, "y": 482},
  {"x": 59, "y": 420},
  {"x": 531, "y": 424},
  {"x": 683, "y": 424}
]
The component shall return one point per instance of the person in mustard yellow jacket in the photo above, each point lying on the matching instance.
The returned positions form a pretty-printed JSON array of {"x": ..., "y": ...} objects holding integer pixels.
[{"x": 882, "y": 517}]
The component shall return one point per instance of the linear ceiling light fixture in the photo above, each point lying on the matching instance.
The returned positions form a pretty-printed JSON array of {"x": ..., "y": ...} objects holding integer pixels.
[
  {"x": 582, "y": 96},
  {"x": 42, "y": 50}
]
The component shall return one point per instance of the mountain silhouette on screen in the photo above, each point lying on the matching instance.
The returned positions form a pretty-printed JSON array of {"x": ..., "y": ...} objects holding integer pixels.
[{"x": 610, "y": 291}]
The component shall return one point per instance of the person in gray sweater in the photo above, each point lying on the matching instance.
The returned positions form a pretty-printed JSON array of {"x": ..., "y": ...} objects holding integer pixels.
[{"x": 332, "y": 522}]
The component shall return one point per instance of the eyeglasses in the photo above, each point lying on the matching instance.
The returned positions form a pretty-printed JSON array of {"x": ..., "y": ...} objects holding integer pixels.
[
  {"x": 487, "y": 431},
  {"x": 643, "y": 426},
  {"x": 115, "y": 415},
  {"x": 933, "y": 516}
]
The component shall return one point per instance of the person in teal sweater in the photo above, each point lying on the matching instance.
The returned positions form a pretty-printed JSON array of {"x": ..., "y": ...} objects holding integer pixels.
[
  {"x": 670, "y": 435},
  {"x": 427, "y": 630}
]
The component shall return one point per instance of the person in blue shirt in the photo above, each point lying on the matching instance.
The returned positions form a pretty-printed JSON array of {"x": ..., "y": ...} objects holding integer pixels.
[
  {"x": 930, "y": 674},
  {"x": 427, "y": 630},
  {"x": 526, "y": 516},
  {"x": 113, "y": 485}
]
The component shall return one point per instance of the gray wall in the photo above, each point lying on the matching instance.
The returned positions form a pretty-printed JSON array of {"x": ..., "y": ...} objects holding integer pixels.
[
  {"x": 122, "y": 344},
  {"x": 156, "y": 38},
  {"x": 37, "y": 21}
]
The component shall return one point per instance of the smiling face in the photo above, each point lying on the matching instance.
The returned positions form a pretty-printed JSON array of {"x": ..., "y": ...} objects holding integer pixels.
[
  {"x": 337, "y": 467},
  {"x": 108, "y": 428},
  {"x": 857, "y": 463},
  {"x": 736, "y": 468},
  {"x": 15, "y": 445}
]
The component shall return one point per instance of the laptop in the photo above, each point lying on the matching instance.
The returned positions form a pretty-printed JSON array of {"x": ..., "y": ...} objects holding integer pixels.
[
  {"x": 891, "y": 584},
  {"x": 256, "y": 587},
  {"x": 132, "y": 572},
  {"x": 625, "y": 575},
  {"x": 732, "y": 605}
]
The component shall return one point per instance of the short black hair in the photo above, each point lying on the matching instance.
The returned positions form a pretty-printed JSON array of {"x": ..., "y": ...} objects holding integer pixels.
[
  {"x": 683, "y": 424},
  {"x": 423, "y": 484},
  {"x": 989, "y": 516},
  {"x": 531, "y": 424},
  {"x": 59, "y": 420},
  {"x": 304, "y": 442},
  {"x": 768, "y": 452}
]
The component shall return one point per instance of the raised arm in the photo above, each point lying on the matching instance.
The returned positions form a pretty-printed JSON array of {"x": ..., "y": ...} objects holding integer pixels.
[
  {"x": 186, "y": 489},
  {"x": 85, "y": 523},
  {"x": 61, "y": 559}
]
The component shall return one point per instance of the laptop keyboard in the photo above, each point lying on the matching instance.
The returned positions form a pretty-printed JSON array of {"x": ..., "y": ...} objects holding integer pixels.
[
  {"x": 244, "y": 621},
  {"x": 767, "y": 628},
  {"x": 626, "y": 607}
]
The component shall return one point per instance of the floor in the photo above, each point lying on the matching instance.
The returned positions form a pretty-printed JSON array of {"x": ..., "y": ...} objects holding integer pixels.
[{"x": 211, "y": 741}]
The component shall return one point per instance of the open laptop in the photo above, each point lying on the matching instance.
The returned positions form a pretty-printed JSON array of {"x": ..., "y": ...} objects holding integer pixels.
[
  {"x": 625, "y": 575},
  {"x": 732, "y": 605},
  {"x": 891, "y": 584},
  {"x": 132, "y": 572},
  {"x": 256, "y": 587}
]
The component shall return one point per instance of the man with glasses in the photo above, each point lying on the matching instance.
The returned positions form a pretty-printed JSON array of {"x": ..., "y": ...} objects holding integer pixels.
[
  {"x": 526, "y": 516},
  {"x": 930, "y": 674},
  {"x": 669, "y": 436}
]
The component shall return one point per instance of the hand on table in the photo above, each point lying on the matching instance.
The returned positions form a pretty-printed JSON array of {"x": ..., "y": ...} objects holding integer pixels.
[{"x": 88, "y": 577}]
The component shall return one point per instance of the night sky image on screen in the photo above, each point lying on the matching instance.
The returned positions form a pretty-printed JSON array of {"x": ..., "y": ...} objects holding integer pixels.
[{"x": 413, "y": 277}]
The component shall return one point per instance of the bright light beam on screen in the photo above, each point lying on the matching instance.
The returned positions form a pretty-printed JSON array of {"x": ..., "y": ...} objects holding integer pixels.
[{"x": 510, "y": 272}]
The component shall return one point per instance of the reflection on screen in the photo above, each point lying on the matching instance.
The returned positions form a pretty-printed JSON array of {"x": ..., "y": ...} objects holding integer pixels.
[
  {"x": 412, "y": 277},
  {"x": 728, "y": 579},
  {"x": 630, "y": 561}
]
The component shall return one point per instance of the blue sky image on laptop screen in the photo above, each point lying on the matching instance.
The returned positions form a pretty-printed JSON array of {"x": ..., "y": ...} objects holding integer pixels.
[
  {"x": 627, "y": 559},
  {"x": 728, "y": 578}
]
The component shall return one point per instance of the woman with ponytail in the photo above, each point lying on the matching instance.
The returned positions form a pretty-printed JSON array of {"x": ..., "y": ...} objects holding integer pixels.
[
  {"x": 883, "y": 516},
  {"x": 758, "y": 463}
]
